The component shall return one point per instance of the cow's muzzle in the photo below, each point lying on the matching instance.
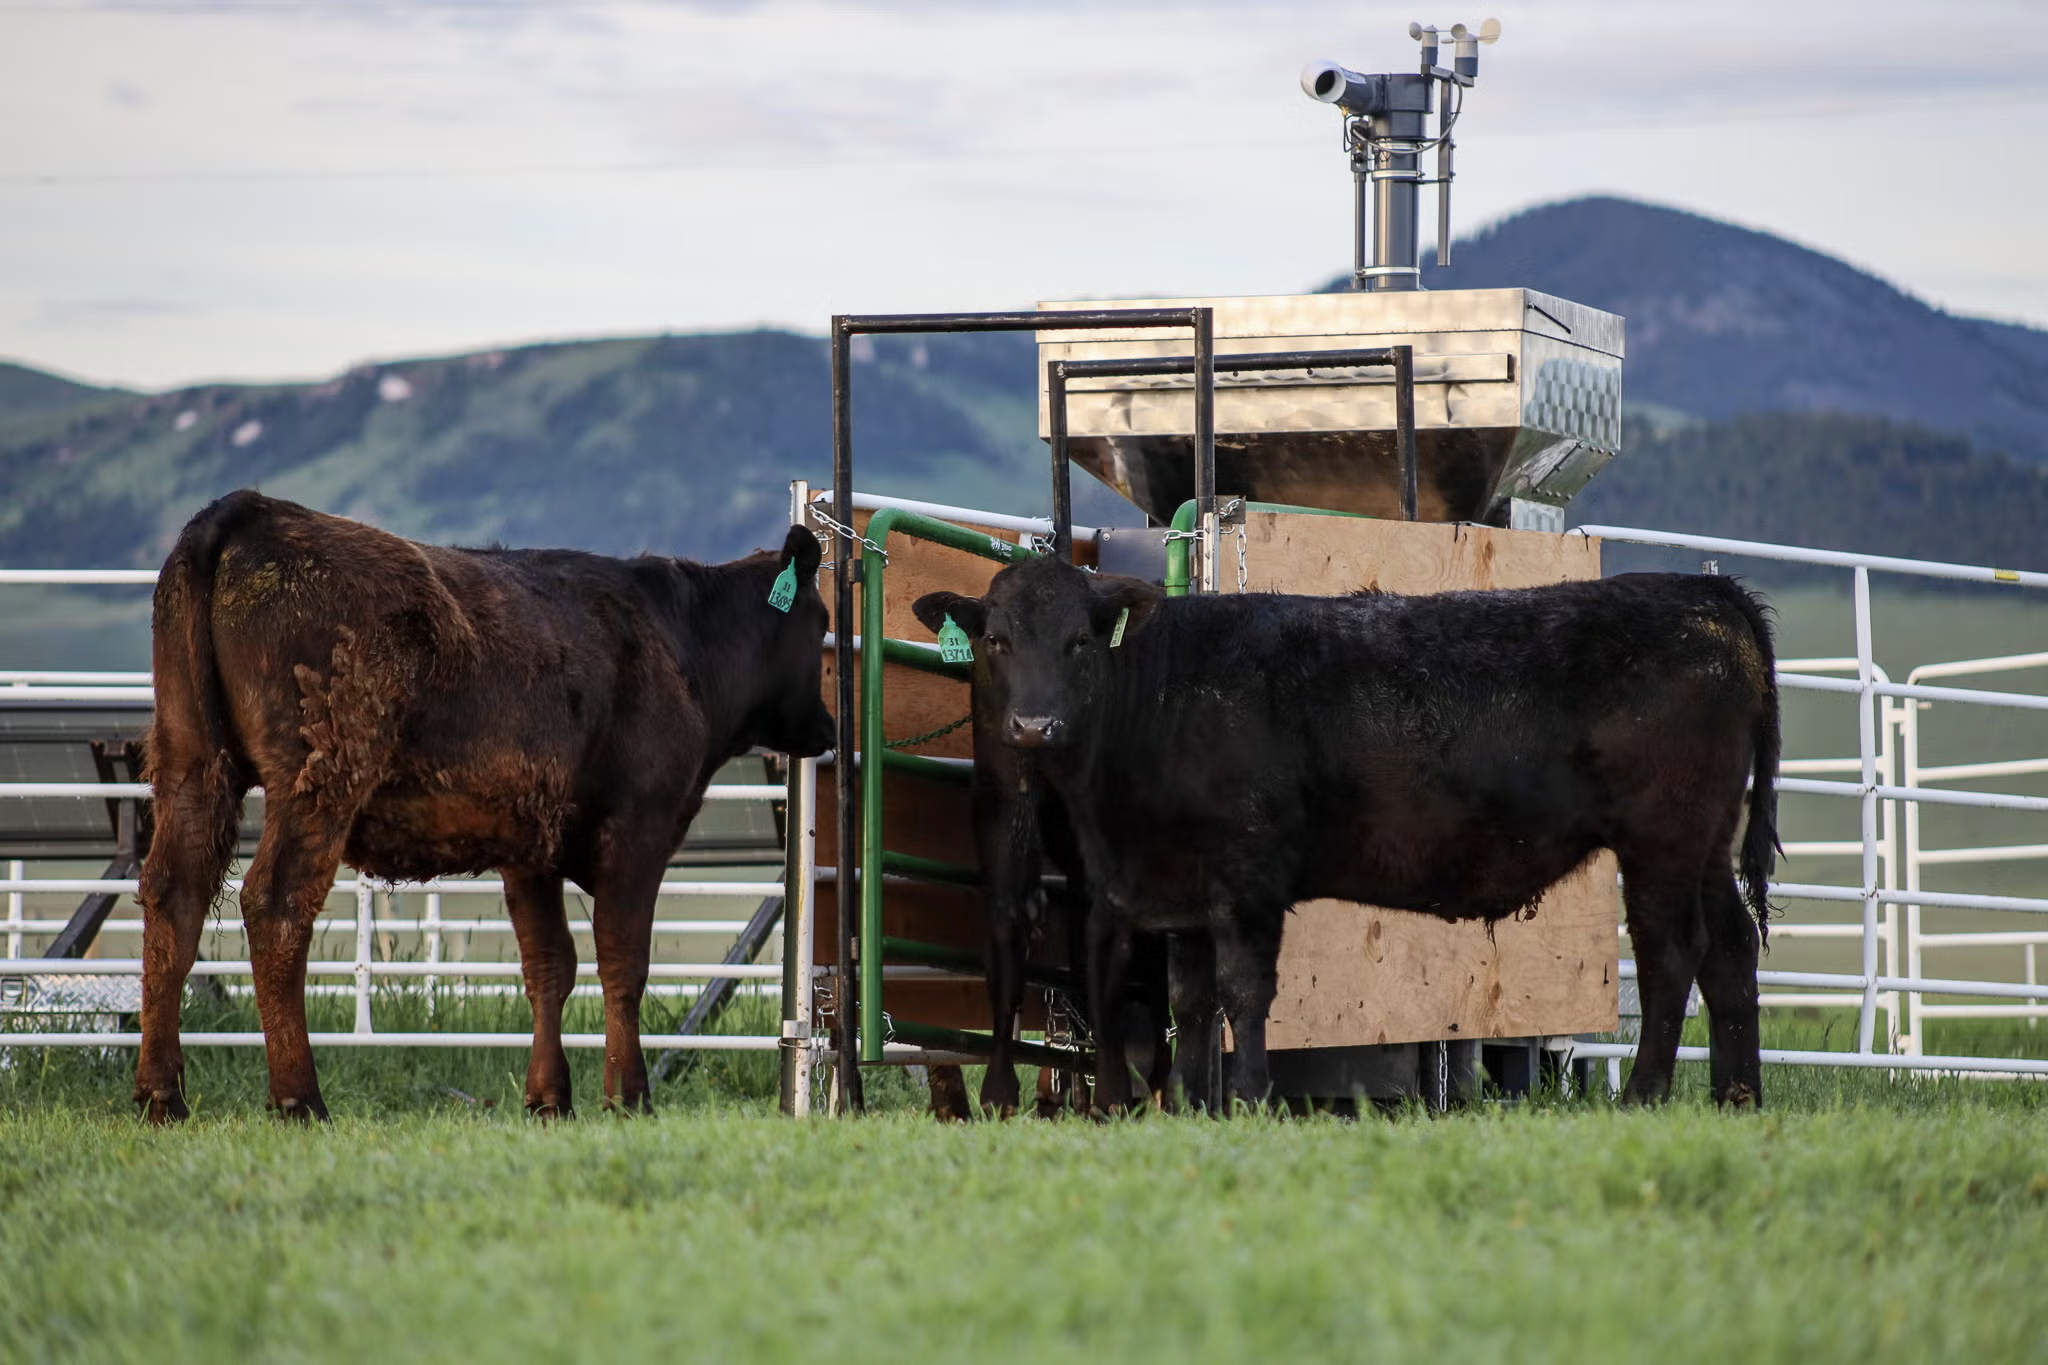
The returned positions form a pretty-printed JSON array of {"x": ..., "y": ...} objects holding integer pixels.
[{"x": 1033, "y": 732}]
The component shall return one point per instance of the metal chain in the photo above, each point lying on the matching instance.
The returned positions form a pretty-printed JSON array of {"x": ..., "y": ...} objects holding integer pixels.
[
  {"x": 1242, "y": 575},
  {"x": 843, "y": 529},
  {"x": 927, "y": 736},
  {"x": 1064, "y": 1026},
  {"x": 1443, "y": 1077}
]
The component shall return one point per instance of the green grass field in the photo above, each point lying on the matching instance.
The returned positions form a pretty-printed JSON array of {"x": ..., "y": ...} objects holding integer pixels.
[{"x": 1860, "y": 1218}]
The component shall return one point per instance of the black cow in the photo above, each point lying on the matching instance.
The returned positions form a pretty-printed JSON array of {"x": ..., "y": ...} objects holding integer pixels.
[
  {"x": 1452, "y": 754},
  {"x": 1020, "y": 824},
  {"x": 420, "y": 711}
]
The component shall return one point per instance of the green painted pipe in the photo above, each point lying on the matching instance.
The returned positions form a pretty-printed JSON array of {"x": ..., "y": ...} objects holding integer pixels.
[
  {"x": 930, "y": 769},
  {"x": 1177, "y": 558},
  {"x": 923, "y": 658},
  {"x": 917, "y": 953},
  {"x": 981, "y": 1044},
  {"x": 873, "y": 567},
  {"x": 928, "y": 870}
]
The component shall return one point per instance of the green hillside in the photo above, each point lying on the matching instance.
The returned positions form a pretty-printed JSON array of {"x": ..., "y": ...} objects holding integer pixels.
[
  {"x": 1826, "y": 482},
  {"x": 679, "y": 444}
]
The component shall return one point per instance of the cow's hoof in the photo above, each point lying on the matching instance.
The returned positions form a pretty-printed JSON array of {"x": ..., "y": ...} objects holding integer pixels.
[
  {"x": 547, "y": 1111},
  {"x": 1742, "y": 1096},
  {"x": 1048, "y": 1109},
  {"x": 632, "y": 1107},
  {"x": 162, "y": 1107},
  {"x": 300, "y": 1110}
]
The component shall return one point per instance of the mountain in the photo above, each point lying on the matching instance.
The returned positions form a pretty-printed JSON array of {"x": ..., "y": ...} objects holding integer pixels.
[
  {"x": 1795, "y": 398},
  {"x": 27, "y": 395},
  {"x": 1723, "y": 320},
  {"x": 683, "y": 444}
]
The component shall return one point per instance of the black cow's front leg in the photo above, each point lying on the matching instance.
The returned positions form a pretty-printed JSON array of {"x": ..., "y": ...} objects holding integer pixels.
[
  {"x": 1109, "y": 960},
  {"x": 1247, "y": 946},
  {"x": 1191, "y": 981},
  {"x": 1007, "y": 831}
]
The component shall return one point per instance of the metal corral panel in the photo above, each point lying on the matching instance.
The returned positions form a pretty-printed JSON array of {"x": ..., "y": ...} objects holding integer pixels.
[{"x": 1517, "y": 395}]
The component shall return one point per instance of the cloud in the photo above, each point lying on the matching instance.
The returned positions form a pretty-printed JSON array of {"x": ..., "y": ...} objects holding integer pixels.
[{"x": 107, "y": 310}]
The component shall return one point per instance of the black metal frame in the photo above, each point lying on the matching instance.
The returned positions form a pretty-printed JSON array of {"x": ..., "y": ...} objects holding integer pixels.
[
  {"x": 1058, "y": 372},
  {"x": 846, "y": 570},
  {"x": 1202, "y": 365}
]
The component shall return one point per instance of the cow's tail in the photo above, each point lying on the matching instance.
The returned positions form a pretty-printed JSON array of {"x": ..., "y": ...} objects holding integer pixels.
[
  {"x": 191, "y": 756},
  {"x": 1760, "y": 845}
]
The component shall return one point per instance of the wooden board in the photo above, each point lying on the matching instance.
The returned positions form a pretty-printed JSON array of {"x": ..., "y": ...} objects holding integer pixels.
[
  {"x": 1352, "y": 974},
  {"x": 1295, "y": 552}
]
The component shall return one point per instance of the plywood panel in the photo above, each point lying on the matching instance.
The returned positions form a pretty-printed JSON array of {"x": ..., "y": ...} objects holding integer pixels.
[
  {"x": 1292, "y": 552},
  {"x": 1352, "y": 974}
]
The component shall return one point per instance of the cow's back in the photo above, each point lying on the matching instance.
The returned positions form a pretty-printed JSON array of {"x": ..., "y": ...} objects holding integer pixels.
[
  {"x": 1384, "y": 747},
  {"x": 463, "y": 705}
]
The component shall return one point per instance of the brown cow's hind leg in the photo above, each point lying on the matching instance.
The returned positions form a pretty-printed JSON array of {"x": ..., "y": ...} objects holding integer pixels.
[
  {"x": 188, "y": 856},
  {"x": 547, "y": 957},
  {"x": 283, "y": 893},
  {"x": 622, "y": 921}
]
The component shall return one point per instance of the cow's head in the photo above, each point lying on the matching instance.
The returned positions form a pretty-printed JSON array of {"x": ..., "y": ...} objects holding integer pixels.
[
  {"x": 792, "y": 715},
  {"x": 1041, "y": 639}
]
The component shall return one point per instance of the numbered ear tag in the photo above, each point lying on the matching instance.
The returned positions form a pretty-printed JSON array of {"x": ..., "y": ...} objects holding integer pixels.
[
  {"x": 954, "y": 646},
  {"x": 1116, "y": 637},
  {"x": 783, "y": 595}
]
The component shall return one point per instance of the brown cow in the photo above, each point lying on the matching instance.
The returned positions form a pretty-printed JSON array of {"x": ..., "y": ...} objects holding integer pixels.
[{"x": 420, "y": 711}]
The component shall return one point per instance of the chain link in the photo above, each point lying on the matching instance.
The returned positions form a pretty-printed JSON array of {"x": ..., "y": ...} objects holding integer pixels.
[
  {"x": 1242, "y": 574},
  {"x": 927, "y": 736},
  {"x": 843, "y": 529},
  {"x": 1443, "y": 1077}
]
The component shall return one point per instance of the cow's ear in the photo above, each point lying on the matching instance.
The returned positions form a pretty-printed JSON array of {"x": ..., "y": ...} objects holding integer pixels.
[
  {"x": 1116, "y": 594},
  {"x": 800, "y": 548},
  {"x": 934, "y": 607}
]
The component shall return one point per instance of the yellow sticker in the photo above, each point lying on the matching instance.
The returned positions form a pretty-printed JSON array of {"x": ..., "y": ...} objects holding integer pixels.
[{"x": 2006, "y": 575}]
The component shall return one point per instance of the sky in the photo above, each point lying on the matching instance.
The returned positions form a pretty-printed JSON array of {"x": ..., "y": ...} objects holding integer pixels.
[{"x": 280, "y": 189}]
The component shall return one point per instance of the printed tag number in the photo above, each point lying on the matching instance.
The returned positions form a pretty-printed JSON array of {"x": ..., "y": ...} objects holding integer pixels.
[
  {"x": 783, "y": 595},
  {"x": 1116, "y": 637},
  {"x": 954, "y": 646}
]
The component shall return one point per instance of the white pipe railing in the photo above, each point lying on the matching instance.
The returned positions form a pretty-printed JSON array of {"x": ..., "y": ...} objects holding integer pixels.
[
  {"x": 1882, "y": 981},
  {"x": 1889, "y": 924}
]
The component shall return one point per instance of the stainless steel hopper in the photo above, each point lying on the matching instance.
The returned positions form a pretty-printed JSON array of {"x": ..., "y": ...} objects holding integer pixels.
[{"x": 1517, "y": 398}]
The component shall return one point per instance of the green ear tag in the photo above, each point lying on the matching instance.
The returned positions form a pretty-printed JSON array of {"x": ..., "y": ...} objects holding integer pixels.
[
  {"x": 783, "y": 595},
  {"x": 1116, "y": 637},
  {"x": 954, "y": 646}
]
